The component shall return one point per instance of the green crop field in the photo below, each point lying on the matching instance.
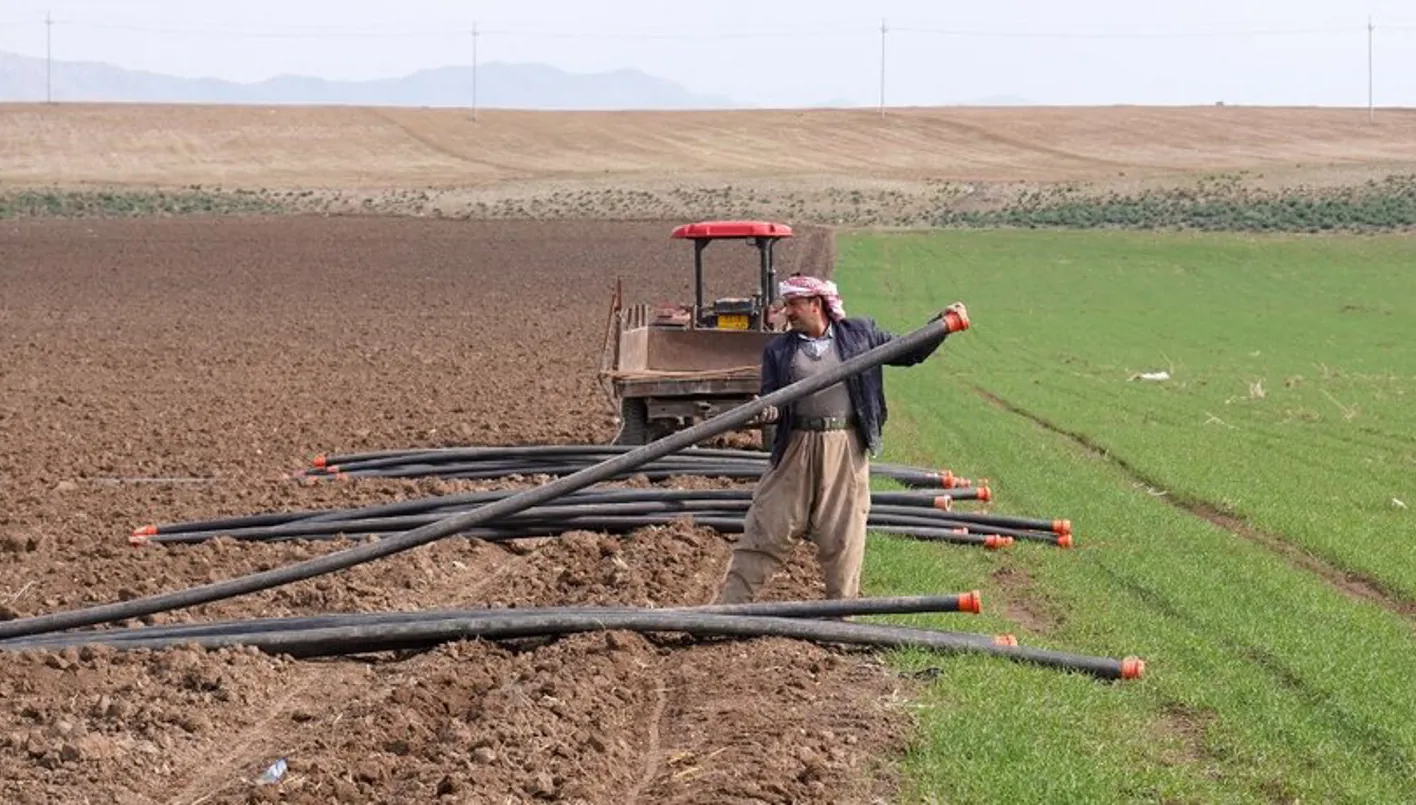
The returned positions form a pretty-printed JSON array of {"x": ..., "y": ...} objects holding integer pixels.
[{"x": 1242, "y": 524}]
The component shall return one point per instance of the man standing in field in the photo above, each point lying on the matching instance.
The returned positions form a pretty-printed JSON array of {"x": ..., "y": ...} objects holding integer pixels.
[{"x": 818, "y": 480}]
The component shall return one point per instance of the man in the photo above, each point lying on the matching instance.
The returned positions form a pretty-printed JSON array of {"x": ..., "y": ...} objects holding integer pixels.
[{"x": 818, "y": 480}]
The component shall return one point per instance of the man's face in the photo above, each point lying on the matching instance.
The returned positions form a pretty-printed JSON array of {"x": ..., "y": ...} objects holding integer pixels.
[{"x": 804, "y": 314}]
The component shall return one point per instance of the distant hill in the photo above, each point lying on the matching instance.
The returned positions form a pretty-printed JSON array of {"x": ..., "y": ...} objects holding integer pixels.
[{"x": 499, "y": 84}]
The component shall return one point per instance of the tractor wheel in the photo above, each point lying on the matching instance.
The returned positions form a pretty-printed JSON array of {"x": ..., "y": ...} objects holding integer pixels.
[{"x": 634, "y": 422}]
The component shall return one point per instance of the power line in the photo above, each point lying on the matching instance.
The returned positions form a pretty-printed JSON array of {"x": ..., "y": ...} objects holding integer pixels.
[
  {"x": 539, "y": 31},
  {"x": 270, "y": 34},
  {"x": 452, "y": 31},
  {"x": 694, "y": 35},
  {"x": 996, "y": 34}
]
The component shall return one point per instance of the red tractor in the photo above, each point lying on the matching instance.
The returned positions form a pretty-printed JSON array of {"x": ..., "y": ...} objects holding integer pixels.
[{"x": 673, "y": 367}]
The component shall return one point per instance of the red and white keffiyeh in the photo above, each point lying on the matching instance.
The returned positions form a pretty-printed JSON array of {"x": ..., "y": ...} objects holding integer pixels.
[{"x": 799, "y": 285}]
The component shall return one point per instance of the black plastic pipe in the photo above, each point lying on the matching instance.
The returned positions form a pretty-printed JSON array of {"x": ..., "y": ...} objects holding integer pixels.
[
  {"x": 723, "y": 522},
  {"x": 970, "y": 602},
  {"x": 553, "y": 458},
  {"x": 932, "y": 333},
  {"x": 902, "y": 515},
  {"x": 329, "y": 463},
  {"x": 570, "y": 508},
  {"x": 454, "y": 503},
  {"x": 654, "y": 471},
  {"x": 910, "y": 510},
  {"x": 496, "y": 451},
  {"x": 303, "y": 643}
]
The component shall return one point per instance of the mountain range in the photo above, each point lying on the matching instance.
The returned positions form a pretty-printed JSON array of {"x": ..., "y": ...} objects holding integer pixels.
[{"x": 498, "y": 84}]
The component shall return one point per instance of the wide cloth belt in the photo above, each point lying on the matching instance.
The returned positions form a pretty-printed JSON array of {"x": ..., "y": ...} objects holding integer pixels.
[{"x": 823, "y": 423}]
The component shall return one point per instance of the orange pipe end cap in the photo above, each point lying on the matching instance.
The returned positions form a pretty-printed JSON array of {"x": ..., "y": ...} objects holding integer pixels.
[
  {"x": 992, "y": 542},
  {"x": 138, "y": 540},
  {"x": 1062, "y": 526},
  {"x": 969, "y": 602},
  {"x": 1005, "y": 640},
  {"x": 320, "y": 461},
  {"x": 985, "y": 494},
  {"x": 1065, "y": 541},
  {"x": 145, "y": 531},
  {"x": 1132, "y": 668},
  {"x": 944, "y": 503},
  {"x": 956, "y": 321}
]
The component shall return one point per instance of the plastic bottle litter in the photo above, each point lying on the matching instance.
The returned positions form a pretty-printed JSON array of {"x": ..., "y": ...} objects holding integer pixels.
[{"x": 273, "y": 773}]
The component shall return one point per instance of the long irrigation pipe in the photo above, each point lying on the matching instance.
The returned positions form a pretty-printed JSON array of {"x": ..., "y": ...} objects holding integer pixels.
[
  {"x": 452, "y": 504},
  {"x": 655, "y": 471},
  {"x": 904, "y": 520},
  {"x": 969, "y": 602},
  {"x": 933, "y": 332},
  {"x": 887, "y": 509},
  {"x": 734, "y": 468},
  {"x": 531, "y": 455},
  {"x": 883, "y": 509},
  {"x": 724, "y": 522},
  {"x": 422, "y": 634}
]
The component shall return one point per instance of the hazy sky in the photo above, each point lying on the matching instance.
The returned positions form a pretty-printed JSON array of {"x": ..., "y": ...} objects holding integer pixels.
[{"x": 784, "y": 52}]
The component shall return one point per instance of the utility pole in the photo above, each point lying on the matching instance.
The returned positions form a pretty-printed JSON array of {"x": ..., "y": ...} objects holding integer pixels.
[
  {"x": 883, "y": 30},
  {"x": 48, "y": 58},
  {"x": 474, "y": 71},
  {"x": 1371, "y": 97}
]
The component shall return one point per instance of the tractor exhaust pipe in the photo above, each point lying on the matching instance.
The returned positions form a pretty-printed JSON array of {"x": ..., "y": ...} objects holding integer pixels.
[{"x": 937, "y": 329}]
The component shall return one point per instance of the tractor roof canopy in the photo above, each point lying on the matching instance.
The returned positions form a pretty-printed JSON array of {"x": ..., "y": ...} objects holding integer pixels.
[{"x": 732, "y": 229}]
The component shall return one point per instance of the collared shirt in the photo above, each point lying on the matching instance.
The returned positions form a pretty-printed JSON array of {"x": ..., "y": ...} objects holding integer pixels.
[{"x": 817, "y": 346}]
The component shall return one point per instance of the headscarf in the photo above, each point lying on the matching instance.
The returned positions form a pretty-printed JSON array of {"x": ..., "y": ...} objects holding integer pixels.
[{"x": 798, "y": 285}]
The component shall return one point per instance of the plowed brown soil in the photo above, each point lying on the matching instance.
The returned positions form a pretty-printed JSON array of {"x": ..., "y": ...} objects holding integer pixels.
[{"x": 178, "y": 369}]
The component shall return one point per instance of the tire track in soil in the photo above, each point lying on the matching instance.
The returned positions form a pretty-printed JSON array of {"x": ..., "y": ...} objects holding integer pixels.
[
  {"x": 652, "y": 748},
  {"x": 1356, "y": 586},
  {"x": 340, "y": 682},
  {"x": 220, "y": 767},
  {"x": 439, "y": 148},
  {"x": 989, "y": 135},
  {"x": 705, "y": 593}
]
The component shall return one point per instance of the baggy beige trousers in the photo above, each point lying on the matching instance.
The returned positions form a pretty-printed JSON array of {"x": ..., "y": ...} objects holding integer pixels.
[{"x": 820, "y": 489}]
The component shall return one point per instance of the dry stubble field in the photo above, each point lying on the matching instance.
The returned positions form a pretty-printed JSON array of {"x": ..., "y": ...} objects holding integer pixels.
[
  {"x": 234, "y": 349},
  {"x": 830, "y": 166}
]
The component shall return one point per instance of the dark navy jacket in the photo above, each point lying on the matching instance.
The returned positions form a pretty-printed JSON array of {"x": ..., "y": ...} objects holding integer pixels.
[{"x": 852, "y": 336}]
